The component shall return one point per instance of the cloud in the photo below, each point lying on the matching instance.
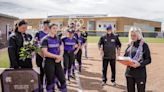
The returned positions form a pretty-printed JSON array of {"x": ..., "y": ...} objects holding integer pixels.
[{"x": 145, "y": 9}]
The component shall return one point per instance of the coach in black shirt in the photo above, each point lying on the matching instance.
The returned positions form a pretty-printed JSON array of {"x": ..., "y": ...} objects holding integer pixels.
[{"x": 109, "y": 44}]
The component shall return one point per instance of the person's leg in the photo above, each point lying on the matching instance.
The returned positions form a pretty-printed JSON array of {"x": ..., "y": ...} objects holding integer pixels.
[
  {"x": 113, "y": 69},
  {"x": 73, "y": 67},
  {"x": 66, "y": 62},
  {"x": 26, "y": 64},
  {"x": 104, "y": 70},
  {"x": 79, "y": 55},
  {"x": 86, "y": 52},
  {"x": 39, "y": 61},
  {"x": 56, "y": 82},
  {"x": 71, "y": 60},
  {"x": 60, "y": 76},
  {"x": 141, "y": 84},
  {"x": 50, "y": 75},
  {"x": 130, "y": 84}
]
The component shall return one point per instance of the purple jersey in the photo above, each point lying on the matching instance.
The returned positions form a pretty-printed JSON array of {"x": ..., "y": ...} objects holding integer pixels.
[
  {"x": 52, "y": 44},
  {"x": 76, "y": 35},
  {"x": 40, "y": 35},
  {"x": 69, "y": 43},
  {"x": 81, "y": 40}
]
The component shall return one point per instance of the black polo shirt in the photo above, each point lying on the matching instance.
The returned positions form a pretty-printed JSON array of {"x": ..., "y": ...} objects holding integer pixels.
[{"x": 109, "y": 43}]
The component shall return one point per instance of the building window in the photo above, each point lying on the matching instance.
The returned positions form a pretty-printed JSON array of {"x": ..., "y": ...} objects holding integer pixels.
[
  {"x": 104, "y": 26},
  {"x": 99, "y": 26}
]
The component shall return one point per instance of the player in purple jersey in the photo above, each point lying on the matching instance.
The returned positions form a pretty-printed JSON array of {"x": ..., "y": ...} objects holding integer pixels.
[{"x": 52, "y": 49}]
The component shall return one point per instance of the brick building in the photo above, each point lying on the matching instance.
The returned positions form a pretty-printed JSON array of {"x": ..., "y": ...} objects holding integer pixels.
[
  {"x": 100, "y": 22},
  {"x": 6, "y": 25}
]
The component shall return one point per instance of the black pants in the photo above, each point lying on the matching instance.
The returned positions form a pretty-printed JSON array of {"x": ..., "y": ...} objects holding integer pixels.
[
  {"x": 69, "y": 58},
  {"x": 131, "y": 82},
  {"x": 27, "y": 63},
  {"x": 105, "y": 68},
  {"x": 78, "y": 58},
  {"x": 39, "y": 62},
  {"x": 53, "y": 70}
]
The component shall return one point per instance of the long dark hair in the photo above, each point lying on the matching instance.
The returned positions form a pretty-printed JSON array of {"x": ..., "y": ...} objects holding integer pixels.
[{"x": 20, "y": 23}]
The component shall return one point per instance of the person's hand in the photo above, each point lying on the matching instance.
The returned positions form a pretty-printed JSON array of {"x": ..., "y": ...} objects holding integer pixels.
[
  {"x": 58, "y": 58},
  {"x": 75, "y": 52},
  {"x": 101, "y": 53},
  {"x": 135, "y": 65},
  {"x": 37, "y": 69},
  {"x": 76, "y": 46},
  {"x": 118, "y": 53}
]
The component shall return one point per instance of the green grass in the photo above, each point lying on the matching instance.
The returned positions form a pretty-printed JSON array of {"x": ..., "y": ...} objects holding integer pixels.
[
  {"x": 95, "y": 39},
  {"x": 4, "y": 61}
]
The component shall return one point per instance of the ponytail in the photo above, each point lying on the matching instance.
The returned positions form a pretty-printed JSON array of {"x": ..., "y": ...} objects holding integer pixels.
[{"x": 16, "y": 28}]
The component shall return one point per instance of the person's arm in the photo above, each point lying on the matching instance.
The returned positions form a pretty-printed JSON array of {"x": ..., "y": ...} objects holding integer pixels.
[
  {"x": 83, "y": 44},
  {"x": 100, "y": 43},
  {"x": 61, "y": 49},
  {"x": 77, "y": 46},
  {"x": 126, "y": 54},
  {"x": 36, "y": 37},
  {"x": 118, "y": 44},
  {"x": 12, "y": 51},
  {"x": 86, "y": 34},
  {"x": 146, "y": 56}
]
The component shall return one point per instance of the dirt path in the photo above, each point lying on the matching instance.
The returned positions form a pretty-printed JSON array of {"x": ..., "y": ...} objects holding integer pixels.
[{"x": 90, "y": 78}]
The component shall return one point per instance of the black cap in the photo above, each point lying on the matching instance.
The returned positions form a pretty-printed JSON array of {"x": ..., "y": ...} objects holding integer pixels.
[
  {"x": 109, "y": 27},
  {"x": 70, "y": 30},
  {"x": 78, "y": 30}
]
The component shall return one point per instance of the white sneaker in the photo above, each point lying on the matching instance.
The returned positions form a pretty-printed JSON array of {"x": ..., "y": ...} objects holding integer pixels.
[
  {"x": 113, "y": 83},
  {"x": 103, "y": 83}
]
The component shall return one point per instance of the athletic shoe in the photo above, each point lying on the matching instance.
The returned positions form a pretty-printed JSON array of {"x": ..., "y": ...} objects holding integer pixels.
[
  {"x": 113, "y": 83},
  {"x": 103, "y": 83},
  {"x": 73, "y": 76}
]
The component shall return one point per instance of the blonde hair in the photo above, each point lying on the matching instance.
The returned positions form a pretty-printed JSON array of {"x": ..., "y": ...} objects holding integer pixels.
[{"x": 136, "y": 30}]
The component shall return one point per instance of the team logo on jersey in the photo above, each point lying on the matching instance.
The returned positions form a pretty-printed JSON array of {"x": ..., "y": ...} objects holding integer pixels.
[
  {"x": 69, "y": 43},
  {"x": 112, "y": 40},
  {"x": 53, "y": 45}
]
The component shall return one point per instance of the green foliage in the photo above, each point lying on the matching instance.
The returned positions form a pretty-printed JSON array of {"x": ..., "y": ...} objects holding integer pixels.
[{"x": 27, "y": 50}]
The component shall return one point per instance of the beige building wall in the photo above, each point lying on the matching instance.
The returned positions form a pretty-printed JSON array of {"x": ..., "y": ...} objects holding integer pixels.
[{"x": 120, "y": 23}]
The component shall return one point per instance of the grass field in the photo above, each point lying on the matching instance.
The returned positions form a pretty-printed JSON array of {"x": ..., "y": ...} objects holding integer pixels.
[
  {"x": 4, "y": 60},
  {"x": 92, "y": 39},
  {"x": 95, "y": 39}
]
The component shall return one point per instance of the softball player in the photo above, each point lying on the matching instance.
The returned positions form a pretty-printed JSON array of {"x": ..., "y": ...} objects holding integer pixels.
[
  {"x": 39, "y": 56},
  {"x": 52, "y": 49},
  {"x": 70, "y": 43},
  {"x": 81, "y": 41}
]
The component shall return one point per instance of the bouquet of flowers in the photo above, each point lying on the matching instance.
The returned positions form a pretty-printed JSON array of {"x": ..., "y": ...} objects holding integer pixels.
[{"x": 29, "y": 47}]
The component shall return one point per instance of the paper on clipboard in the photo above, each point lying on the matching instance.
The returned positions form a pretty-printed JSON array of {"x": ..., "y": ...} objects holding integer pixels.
[{"x": 125, "y": 60}]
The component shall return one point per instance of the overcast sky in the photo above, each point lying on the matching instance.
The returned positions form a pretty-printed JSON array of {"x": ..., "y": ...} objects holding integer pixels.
[{"x": 145, "y": 9}]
